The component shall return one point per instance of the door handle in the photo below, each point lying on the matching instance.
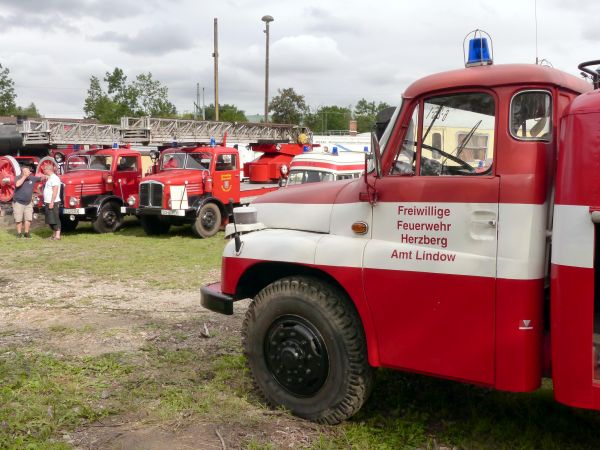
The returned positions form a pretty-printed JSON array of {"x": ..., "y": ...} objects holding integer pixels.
[{"x": 490, "y": 222}]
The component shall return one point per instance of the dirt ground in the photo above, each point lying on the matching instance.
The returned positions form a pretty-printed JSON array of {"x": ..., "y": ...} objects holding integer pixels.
[{"x": 77, "y": 317}]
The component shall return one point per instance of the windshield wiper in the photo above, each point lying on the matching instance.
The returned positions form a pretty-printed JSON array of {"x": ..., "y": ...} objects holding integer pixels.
[
  {"x": 437, "y": 114},
  {"x": 467, "y": 139}
]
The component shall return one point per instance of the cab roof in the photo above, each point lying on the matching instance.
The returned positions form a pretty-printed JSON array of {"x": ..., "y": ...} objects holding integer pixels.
[
  {"x": 205, "y": 149},
  {"x": 497, "y": 75}
]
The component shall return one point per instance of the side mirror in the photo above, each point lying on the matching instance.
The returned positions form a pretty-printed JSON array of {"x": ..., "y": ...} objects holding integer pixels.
[{"x": 373, "y": 160}]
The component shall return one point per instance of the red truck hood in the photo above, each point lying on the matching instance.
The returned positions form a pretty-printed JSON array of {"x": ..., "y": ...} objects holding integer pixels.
[
  {"x": 307, "y": 207},
  {"x": 176, "y": 177},
  {"x": 87, "y": 176}
]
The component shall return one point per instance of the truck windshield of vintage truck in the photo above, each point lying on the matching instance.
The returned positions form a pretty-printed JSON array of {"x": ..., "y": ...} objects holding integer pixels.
[
  {"x": 194, "y": 161},
  {"x": 88, "y": 162}
]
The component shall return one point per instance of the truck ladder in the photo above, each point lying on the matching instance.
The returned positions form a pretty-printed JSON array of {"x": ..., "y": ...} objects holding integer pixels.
[
  {"x": 151, "y": 131},
  {"x": 49, "y": 132}
]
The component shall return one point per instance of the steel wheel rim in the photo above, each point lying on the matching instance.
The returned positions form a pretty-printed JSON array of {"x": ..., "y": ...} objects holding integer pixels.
[
  {"x": 296, "y": 355},
  {"x": 209, "y": 220}
]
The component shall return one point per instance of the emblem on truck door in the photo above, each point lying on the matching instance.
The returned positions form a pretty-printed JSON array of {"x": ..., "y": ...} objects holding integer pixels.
[{"x": 226, "y": 179}]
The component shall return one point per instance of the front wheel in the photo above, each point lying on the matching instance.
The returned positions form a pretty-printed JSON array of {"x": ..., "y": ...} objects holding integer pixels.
[
  {"x": 109, "y": 218},
  {"x": 306, "y": 349},
  {"x": 208, "y": 220}
]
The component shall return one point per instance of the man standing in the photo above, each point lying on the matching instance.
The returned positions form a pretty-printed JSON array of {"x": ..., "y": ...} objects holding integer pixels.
[
  {"x": 52, "y": 201},
  {"x": 22, "y": 205}
]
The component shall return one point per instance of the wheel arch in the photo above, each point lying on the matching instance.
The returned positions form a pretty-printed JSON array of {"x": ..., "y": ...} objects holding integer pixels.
[
  {"x": 102, "y": 199},
  {"x": 260, "y": 275},
  {"x": 210, "y": 199}
]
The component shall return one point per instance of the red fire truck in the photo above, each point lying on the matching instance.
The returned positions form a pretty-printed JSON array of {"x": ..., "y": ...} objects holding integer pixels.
[
  {"x": 468, "y": 251},
  {"x": 96, "y": 183},
  {"x": 193, "y": 185},
  {"x": 198, "y": 178}
]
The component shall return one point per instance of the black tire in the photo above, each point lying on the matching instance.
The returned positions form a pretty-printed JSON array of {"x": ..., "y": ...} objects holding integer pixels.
[
  {"x": 153, "y": 226},
  {"x": 67, "y": 224},
  {"x": 109, "y": 218},
  {"x": 305, "y": 346},
  {"x": 208, "y": 221}
]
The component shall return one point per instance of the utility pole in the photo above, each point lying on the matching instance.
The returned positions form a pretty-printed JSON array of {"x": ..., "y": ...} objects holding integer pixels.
[
  {"x": 216, "y": 57},
  {"x": 267, "y": 19},
  {"x": 197, "y": 104},
  {"x": 203, "y": 105}
]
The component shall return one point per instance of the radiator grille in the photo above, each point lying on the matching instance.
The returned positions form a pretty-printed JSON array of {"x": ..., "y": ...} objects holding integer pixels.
[{"x": 151, "y": 194}]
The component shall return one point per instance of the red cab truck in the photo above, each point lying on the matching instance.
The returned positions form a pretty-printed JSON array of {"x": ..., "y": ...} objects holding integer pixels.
[
  {"x": 195, "y": 186},
  {"x": 468, "y": 251},
  {"x": 95, "y": 184}
]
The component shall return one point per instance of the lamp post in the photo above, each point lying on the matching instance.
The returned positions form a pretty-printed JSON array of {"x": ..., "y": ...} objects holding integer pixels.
[{"x": 267, "y": 19}]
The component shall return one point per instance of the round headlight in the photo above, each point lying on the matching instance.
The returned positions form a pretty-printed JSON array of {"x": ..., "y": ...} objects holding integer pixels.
[
  {"x": 36, "y": 199},
  {"x": 131, "y": 200},
  {"x": 73, "y": 201},
  {"x": 284, "y": 170}
]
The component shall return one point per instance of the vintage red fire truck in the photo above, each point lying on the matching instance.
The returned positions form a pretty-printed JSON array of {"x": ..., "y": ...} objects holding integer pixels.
[
  {"x": 193, "y": 185},
  {"x": 468, "y": 251},
  {"x": 96, "y": 183}
]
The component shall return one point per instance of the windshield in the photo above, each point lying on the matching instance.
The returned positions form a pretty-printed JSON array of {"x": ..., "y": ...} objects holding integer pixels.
[
  {"x": 89, "y": 162},
  {"x": 309, "y": 176},
  {"x": 196, "y": 161}
]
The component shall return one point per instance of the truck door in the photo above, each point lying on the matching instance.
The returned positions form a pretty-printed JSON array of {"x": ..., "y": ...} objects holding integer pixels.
[
  {"x": 127, "y": 176},
  {"x": 430, "y": 268},
  {"x": 226, "y": 180}
]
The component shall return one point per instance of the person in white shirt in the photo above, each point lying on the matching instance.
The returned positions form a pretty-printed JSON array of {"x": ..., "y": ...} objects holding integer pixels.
[{"x": 52, "y": 201}]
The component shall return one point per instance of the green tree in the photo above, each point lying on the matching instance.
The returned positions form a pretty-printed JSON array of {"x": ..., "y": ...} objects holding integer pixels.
[
  {"x": 288, "y": 107},
  {"x": 328, "y": 118},
  {"x": 143, "y": 97},
  {"x": 227, "y": 113},
  {"x": 29, "y": 111},
  {"x": 365, "y": 113},
  {"x": 152, "y": 98},
  {"x": 7, "y": 92}
]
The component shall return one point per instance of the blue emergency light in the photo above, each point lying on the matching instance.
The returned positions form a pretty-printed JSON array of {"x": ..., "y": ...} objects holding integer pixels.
[
  {"x": 115, "y": 145},
  {"x": 334, "y": 151},
  {"x": 213, "y": 143},
  {"x": 366, "y": 149},
  {"x": 479, "y": 53},
  {"x": 305, "y": 149}
]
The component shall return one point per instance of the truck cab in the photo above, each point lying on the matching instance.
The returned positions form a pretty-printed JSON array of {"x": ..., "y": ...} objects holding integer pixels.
[
  {"x": 96, "y": 183},
  {"x": 466, "y": 252}
]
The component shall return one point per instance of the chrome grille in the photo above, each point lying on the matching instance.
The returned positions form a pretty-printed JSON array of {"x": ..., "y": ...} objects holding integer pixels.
[{"x": 151, "y": 194}]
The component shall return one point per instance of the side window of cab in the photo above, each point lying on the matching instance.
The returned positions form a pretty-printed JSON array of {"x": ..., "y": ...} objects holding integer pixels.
[
  {"x": 531, "y": 116},
  {"x": 458, "y": 134},
  {"x": 226, "y": 162},
  {"x": 127, "y": 164}
]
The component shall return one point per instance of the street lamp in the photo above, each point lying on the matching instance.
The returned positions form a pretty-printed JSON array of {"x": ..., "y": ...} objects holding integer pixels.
[{"x": 267, "y": 19}]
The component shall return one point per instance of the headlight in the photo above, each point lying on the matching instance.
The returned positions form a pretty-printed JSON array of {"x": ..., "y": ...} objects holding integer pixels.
[
  {"x": 131, "y": 200},
  {"x": 36, "y": 199},
  {"x": 73, "y": 201},
  {"x": 109, "y": 179},
  {"x": 284, "y": 170}
]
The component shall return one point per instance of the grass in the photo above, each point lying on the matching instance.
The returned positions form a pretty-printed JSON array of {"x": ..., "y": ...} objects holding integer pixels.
[
  {"x": 176, "y": 380},
  {"x": 173, "y": 261}
]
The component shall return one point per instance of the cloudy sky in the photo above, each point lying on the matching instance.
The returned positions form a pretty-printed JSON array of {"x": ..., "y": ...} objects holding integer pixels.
[{"x": 332, "y": 52}]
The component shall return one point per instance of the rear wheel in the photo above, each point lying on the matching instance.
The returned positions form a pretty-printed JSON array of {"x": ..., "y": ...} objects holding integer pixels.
[
  {"x": 306, "y": 349},
  {"x": 208, "y": 220},
  {"x": 154, "y": 226},
  {"x": 67, "y": 224},
  {"x": 109, "y": 218}
]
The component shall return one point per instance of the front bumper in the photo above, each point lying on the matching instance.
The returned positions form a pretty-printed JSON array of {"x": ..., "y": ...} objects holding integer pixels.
[
  {"x": 212, "y": 298},
  {"x": 189, "y": 213}
]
